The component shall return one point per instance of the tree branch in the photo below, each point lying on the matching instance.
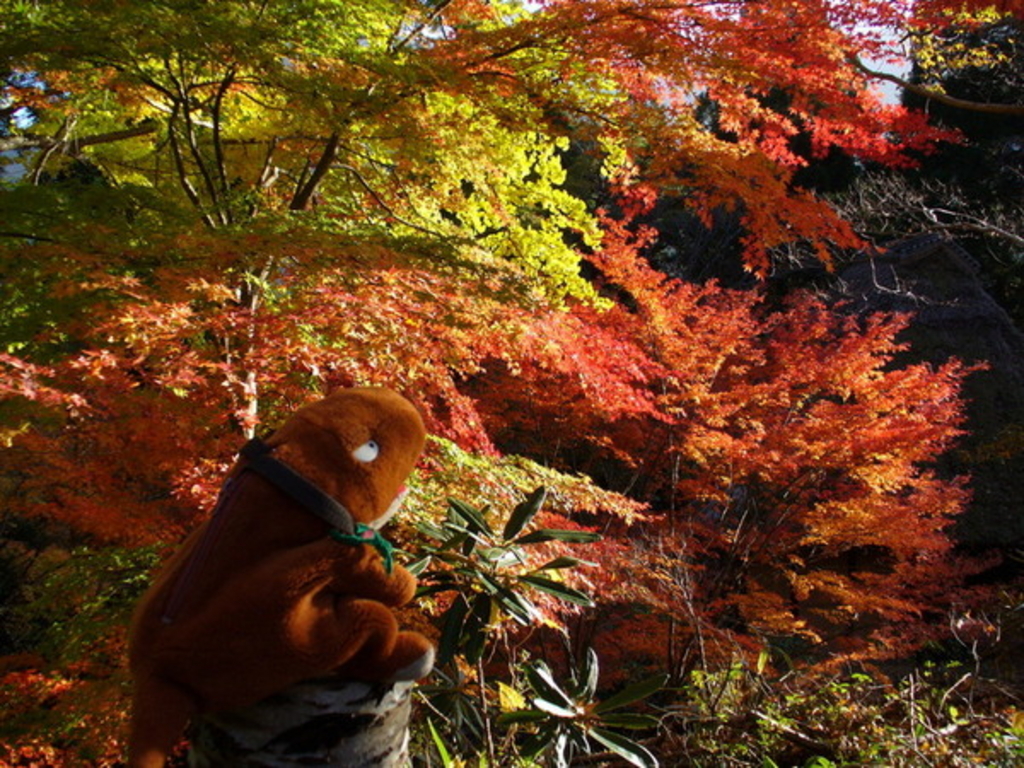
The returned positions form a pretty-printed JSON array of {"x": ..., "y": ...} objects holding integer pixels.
[
  {"x": 60, "y": 139},
  {"x": 303, "y": 195},
  {"x": 967, "y": 222},
  {"x": 377, "y": 198},
  {"x": 936, "y": 95},
  {"x": 30, "y": 141},
  {"x": 797, "y": 737},
  {"x": 193, "y": 145},
  {"x": 27, "y": 236},
  {"x": 396, "y": 44},
  {"x": 183, "y": 180},
  {"x": 218, "y": 145}
]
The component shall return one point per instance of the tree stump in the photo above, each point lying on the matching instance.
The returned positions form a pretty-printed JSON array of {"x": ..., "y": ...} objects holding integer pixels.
[{"x": 318, "y": 722}]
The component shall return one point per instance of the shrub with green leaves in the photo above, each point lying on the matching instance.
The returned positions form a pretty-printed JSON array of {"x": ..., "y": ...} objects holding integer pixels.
[
  {"x": 568, "y": 717},
  {"x": 496, "y": 578},
  {"x": 490, "y": 572}
]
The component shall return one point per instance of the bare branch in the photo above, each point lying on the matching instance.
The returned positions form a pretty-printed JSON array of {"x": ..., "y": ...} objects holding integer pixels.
[
  {"x": 268, "y": 177},
  {"x": 171, "y": 108},
  {"x": 305, "y": 192},
  {"x": 218, "y": 146},
  {"x": 936, "y": 95},
  {"x": 193, "y": 144},
  {"x": 183, "y": 180},
  {"x": 969, "y": 223},
  {"x": 396, "y": 44},
  {"x": 31, "y": 141},
  {"x": 27, "y": 236}
]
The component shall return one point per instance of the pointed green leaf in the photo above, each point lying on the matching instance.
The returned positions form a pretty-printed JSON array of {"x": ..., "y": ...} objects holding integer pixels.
[
  {"x": 473, "y": 517},
  {"x": 451, "y": 630},
  {"x": 558, "y": 589},
  {"x": 628, "y": 749},
  {"x": 524, "y": 513},
  {"x": 537, "y": 742},
  {"x": 544, "y": 683},
  {"x": 489, "y": 585},
  {"x": 416, "y": 567},
  {"x": 522, "y": 716},
  {"x": 442, "y": 750},
  {"x": 426, "y": 589},
  {"x": 560, "y": 563},
  {"x": 554, "y": 709},
  {"x": 431, "y": 531},
  {"x": 474, "y": 637},
  {"x": 590, "y": 673},
  {"x": 632, "y": 693},
  {"x": 519, "y": 607},
  {"x": 630, "y": 720},
  {"x": 558, "y": 534}
]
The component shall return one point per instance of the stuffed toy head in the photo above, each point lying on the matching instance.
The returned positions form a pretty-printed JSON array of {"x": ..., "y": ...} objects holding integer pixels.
[
  {"x": 358, "y": 446},
  {"x": 289, "y": 579}
]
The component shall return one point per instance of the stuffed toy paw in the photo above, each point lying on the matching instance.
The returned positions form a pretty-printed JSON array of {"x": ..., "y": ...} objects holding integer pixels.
[{"x": 289, "y": 579}]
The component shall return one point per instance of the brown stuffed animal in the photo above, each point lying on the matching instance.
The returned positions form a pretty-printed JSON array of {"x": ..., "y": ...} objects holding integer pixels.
[{"x": 286, "y": 581}]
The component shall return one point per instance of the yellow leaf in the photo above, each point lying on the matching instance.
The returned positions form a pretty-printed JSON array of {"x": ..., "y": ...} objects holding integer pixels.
[{"x": 509, "y": 699}]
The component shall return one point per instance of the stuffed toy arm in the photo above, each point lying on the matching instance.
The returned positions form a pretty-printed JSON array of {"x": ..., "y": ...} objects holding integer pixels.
[
  {"x": 341, "y": 615},
  {"x": 341, "y": 569},
  {"x": 359, "y": 571}
]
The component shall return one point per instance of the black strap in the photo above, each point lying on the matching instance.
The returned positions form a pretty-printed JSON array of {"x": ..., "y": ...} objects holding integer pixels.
[
  {"x": 258, "y": 458},
  {"x": 201, "y": 551}
]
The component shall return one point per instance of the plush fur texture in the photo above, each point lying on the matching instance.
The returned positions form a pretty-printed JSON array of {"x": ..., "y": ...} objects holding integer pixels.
[{"x": 269, "y": 598}]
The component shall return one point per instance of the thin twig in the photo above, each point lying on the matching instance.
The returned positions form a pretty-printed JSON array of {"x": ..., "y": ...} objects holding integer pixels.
[{"x": 377, "y": 199}]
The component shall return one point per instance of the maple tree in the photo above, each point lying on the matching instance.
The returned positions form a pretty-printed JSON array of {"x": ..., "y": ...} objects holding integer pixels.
[
  {"x": 214, "y": 212},
  {"x": 759, "y": 513}
]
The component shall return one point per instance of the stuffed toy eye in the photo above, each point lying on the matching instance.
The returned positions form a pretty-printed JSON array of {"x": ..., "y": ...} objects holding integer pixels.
[{"x": 366, "y": 452}]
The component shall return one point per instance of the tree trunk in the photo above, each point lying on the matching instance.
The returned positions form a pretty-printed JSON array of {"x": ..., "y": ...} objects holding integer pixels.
[{"x": 319, "y": 722}]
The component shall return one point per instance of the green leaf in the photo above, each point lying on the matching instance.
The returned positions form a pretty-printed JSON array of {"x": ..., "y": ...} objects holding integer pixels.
[
  {"x": 426, "y": 589},
  {"x": 416, "y": 567},
  {"x": 490, "y": 586},
  {"x": 630, "y": 720},
  {"x": 537, "y": 742},
  {"x": 558, "y": 534},
  {"x": 473, "y": 517},
  {"x": 554, "y": 709},
  {"x": 524, "y": 513},
  {"x": 560, "y": 563},
  {"x": 442, "y": 750},
  {"x": 628, "y": 749},
  {"x": 522, "y": 716},
  {"x": 545, "y": 685},
  {"x": 432, "y": 531},
  {"x": 475, "y": 633},
  {"x": 591, "y": 671},
  {"x": 451, "y": 631},
  {"x": 558, "y": 589},
  {"x": 632, "y": 693},
  {"x": 519, "y": 607}
]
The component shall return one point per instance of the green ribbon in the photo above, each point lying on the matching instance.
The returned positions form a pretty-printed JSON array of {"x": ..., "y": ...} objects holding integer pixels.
[{"x": 366, "y": 535}]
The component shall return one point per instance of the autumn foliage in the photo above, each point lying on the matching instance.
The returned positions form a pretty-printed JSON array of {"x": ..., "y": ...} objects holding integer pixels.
[{"x": 222, "y": 211}]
